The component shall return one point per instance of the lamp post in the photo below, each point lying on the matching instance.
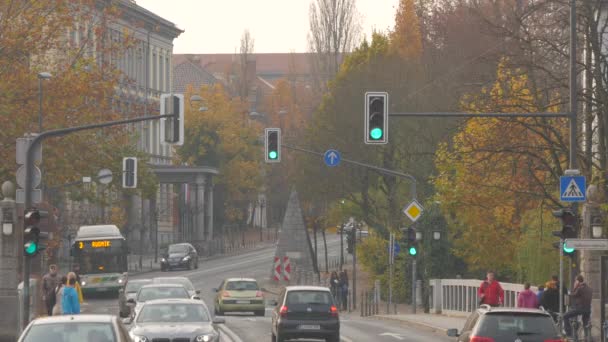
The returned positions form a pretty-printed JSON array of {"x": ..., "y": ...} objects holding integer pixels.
[
  {"x": 198, "y": 98},
  {"x": 41, "y": 76}
]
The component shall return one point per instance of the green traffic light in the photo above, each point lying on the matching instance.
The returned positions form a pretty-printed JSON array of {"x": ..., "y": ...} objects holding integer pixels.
[
  {"x": 413, "y": 251},
  {"x": 272, "y": 154},
  {"x": 376, "y": 133},
  {"x": 568, "y": 249},
  {"x": 30, "y": 248}
]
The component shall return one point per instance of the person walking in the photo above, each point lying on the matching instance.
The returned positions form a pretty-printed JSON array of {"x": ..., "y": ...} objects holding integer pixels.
[
  {"x": 539, "y": 294},
  {"x": 58, "y": 309},
  {"x": 490, "y": 292},
  {"x": 527, "y": 298},
  {"x": 49, "y": 283},
  {"x": 69, "y": 301},
  {"x": 343, "y": 288},
  {"x": 581, "y": 304},
  {"x": 550, "y": 299},
  {"x": 333, "y": 285}
]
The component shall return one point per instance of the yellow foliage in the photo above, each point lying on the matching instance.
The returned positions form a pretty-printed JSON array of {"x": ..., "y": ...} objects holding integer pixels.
[{"x": 406, "y": 38}]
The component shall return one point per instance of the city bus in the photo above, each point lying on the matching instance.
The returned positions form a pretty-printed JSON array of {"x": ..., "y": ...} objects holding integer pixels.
[{"x": 101, "y": 252}]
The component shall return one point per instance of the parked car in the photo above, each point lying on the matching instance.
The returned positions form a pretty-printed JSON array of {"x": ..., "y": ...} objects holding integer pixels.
[
  {"x": 156, "y": 291},
  {"x": 180, "y": 255},
  {"x": 174, "y": 320},
  {"x": 507, "y": 324},
  {"x": 129, "y": 291},
  {"x": 185, "y": 282},
  {"x": 305, "y": 312},
  {"x": 90, "y": 328},
  {"x": 239, "y": 295}
]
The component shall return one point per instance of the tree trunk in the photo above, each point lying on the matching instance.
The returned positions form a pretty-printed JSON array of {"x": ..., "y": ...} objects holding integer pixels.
[
  {"x": 325, "y": 245},
  {"x": 316, "y": 256}
]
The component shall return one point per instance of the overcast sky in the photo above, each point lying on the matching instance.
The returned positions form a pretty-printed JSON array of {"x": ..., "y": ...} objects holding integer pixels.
[{"x": 215, "y": 26}]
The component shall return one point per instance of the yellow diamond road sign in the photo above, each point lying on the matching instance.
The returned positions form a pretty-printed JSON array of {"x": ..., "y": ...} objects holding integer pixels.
[{"x": 413, "y": 210}]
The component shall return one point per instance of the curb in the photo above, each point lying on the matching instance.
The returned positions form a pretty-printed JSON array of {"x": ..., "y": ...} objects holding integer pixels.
[
  {"x": 411, "y": 322},
  {"x": 227, "y": 332}
]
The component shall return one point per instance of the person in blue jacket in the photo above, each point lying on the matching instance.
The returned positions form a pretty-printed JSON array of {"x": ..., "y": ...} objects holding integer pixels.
[{"x": 69, "y": 302}]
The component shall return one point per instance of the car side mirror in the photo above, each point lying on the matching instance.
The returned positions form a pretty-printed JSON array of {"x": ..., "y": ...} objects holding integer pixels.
[
  {"x": 453, "y": 332},
  {"x": 219, "y": 320},
  {"x": 127, "y": 320},
  {"x": 131, "y": 301}
]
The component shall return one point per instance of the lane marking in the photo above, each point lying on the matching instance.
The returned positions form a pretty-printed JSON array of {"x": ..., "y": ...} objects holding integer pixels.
[
  {"x": 345, "y": 339},
  {"x": 231, "y": 335}
]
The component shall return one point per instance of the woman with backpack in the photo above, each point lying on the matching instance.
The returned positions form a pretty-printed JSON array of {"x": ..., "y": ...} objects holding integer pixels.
[
  {"x": 57, "y": 309},
  {"x": 69, "y": 300}
]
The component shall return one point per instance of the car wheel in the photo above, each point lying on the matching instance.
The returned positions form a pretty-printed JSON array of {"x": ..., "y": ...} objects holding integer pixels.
[{"x": 333, "y": 338}]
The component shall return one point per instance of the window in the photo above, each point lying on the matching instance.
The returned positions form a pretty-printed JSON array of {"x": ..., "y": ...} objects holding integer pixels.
[
  {"x": 242, "y": 286},
  {"x": 167, "y": 71},
  {"x": 71, "y": 332},
  {"x": 152, "y": 293},
  {"x": 309, "y": 297},
  {"x": 154, "y": 71},
  {"x": 173, "y": 313},
  {"x": 161, "y": 74}
]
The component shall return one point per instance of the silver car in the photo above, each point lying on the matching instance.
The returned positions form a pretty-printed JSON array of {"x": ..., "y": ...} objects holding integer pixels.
[
  {"x": 174, "y": 320},
  {"x": 129, "y": 292},
  {"x": 157, "y": 291},
  {"x": 185, "y": 282},
  {"x": 68, "y": 328}
]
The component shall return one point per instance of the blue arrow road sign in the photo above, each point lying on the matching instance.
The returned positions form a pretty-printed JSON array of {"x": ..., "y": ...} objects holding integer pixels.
[
  {"x": 396, "y": 248},
  {"x": 572, "y": 188},
  {"x": 332, "y": 157}
]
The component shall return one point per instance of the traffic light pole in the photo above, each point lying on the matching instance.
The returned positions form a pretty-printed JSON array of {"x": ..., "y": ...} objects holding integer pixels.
[
  {"x": 354, "y": 294},
  {"x": 29, "y": 176},
  {"x": 341, "y": 246},
  {"x": 560, "y": 289},
  {"x": 414, "y": 285}
]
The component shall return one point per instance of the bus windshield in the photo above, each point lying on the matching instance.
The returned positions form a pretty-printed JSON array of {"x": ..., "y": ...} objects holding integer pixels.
[{"x": 96, "y": 263}]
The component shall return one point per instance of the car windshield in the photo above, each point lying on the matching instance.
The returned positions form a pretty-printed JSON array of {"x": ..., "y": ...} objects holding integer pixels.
[
  {"x": 173, "y": 313},
  {"x": 510, "y": 326},
  {"x": 242, "y": 285},
  {"x": 308, "y": 297},
  {"x": 180, "y": 281},
  {"x": 134, "y": 286},
  {"x": 152, "y": 293},
  {"x": 71, "y": 332},
  {"x": 178, "y": 249}
]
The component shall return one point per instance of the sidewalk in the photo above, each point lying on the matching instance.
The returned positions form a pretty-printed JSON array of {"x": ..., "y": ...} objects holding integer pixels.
[{"x": 440, "y": 323}]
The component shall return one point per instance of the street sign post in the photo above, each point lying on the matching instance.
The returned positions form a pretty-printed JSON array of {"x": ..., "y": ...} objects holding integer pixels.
[
  {"x": 587, "y": 244},
  {"x": 332, "y": 158},
  {"x": 413, "y": 210},
  {"x": 572, "y": 188}
]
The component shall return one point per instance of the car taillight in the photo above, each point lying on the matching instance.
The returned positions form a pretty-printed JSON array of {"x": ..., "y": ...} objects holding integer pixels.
[
  {"x": 334, "y": 311},
  {"x": 283, "y": 311},
  {"x": 225, "y": 294},
  {"x": 481, "y": 339},
  {"x": 259, "y": 294}
]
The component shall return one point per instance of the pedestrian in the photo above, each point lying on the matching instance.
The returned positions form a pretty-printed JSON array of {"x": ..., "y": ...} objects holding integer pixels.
[
  {"x": 527, "y": 298},
  {"x": 78, "y": 286},
  {"x": 58, "y": 309},
  {"x": 550, "y": 299},
  {"x": 581, "y": 304},
  {"x": 49, "y": 283},
  {"x": 343, "y": 288},
  {"x": 333, "y": 284},
  {"x": 539, "y": 294},
  {"x": 564, "y": 291},
  {"x": 76, "y": 270},
  {"x": 490, "y": 292},
  {"x": 69, "y": 301}
]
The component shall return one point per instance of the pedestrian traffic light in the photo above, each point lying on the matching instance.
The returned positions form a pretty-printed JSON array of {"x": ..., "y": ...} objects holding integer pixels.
[
  {"x": 33, "y": 239},
  {"x": 172, "y": 129},
  {"x": 272, "y": 145},
  {"x": 376, "y": 118},
  {"x": 412, "y": 243},
  {"x": 569, "y": 229},
  {"x": 129, "y": 172}
]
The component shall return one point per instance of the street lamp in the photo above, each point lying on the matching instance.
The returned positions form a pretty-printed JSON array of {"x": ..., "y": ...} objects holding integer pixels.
[
  {"x": 597, "y": 229},
  {"x": 41, "y": 76},
  {"x": 198, "y": 98}
]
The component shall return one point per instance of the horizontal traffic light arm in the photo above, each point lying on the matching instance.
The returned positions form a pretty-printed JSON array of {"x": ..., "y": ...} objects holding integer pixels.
[
  {"x": 484, "y": 115},
  {"x": 29, "y": 160},
  {"x": 367, "y": 166}
]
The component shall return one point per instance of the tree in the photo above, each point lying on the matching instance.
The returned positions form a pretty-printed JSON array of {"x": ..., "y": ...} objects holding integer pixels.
[
  {"x": 334, "y": 30},
  {"x": 406, "y": 38},
  {"x": 223, "y": 137},
  {"x": 246, "y": 50}
]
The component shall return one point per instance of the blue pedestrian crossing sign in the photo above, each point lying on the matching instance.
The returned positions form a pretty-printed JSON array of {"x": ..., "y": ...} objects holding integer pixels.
[
  {"x": 572, "y": 188},
  {"x": 396, "y": 248},
  {"x": 332, "y": 157}
]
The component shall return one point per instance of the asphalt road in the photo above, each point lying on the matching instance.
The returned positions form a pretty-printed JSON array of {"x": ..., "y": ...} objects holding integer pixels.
[{"x": 258, "y": 264}]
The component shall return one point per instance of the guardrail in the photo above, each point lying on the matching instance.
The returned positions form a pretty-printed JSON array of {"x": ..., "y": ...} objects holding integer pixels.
[{"x": 459, "y": 296}]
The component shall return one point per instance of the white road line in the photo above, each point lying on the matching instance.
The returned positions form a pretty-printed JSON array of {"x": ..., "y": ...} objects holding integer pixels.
[
  {"x": 231, "y": 335},
  {"x": 345, "y": 339}
]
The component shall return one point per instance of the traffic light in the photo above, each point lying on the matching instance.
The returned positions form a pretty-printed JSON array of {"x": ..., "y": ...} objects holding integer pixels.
[
  {"x": 129, "y": 172},
  {"x": 272, "y": 145},
  {"x": 412, "y": 243},
  {"x": 376, "y": 118},
  {"x": 569, "y": 229},
  {"x": 172, "y": 129},
  {"x": 33, "y": 239}
]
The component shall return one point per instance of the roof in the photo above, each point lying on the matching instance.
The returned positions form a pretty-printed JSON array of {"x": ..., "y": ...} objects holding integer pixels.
[
  {"x": 140, "y": 281},
  {"x": 306, "y": 288},
  {"x": 74, "y": 318},
  {"x": 240, "y": 279},
  {"x": 98, "y": 231},
  {"x": 188, "y": 73},
  {"x": 161, "y": 285},
  {"x": 175, "y": 301}
]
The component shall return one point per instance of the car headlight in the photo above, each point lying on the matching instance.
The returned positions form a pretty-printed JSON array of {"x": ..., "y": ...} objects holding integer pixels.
[
  {"x": 83, "y": 283},
  {"x": 186, "y": 258},
  {"x": 163, "y": 260},
  {"x": 120, "y": 281},
  {"x": 206, "y": 337},
  {"x": 138, "y": 338}
]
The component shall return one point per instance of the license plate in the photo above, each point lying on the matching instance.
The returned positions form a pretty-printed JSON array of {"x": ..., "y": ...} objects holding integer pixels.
[
  {"x": 310, "y": 327},
  {"x": 242, "y": 302}
]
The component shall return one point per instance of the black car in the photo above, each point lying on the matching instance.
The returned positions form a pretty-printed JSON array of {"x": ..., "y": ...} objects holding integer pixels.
[
  {"x": 507, "y": 324},
  {"x": 179, "y": 255},
  {"x": 305, "y": 312}
]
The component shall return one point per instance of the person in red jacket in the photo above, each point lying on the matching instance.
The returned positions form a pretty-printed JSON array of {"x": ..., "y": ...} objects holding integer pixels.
[{"x": 490, "y": 292}]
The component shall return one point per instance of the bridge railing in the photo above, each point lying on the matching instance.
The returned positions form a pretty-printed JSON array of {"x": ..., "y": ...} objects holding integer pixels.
[{"x": 459, "y": 296}]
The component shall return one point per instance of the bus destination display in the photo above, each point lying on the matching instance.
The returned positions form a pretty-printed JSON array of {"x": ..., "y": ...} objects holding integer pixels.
[{"x": 95, "y": 244}]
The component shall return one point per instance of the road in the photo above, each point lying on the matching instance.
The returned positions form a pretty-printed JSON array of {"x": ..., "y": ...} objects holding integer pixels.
[{"x": 257, "y": 264}]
